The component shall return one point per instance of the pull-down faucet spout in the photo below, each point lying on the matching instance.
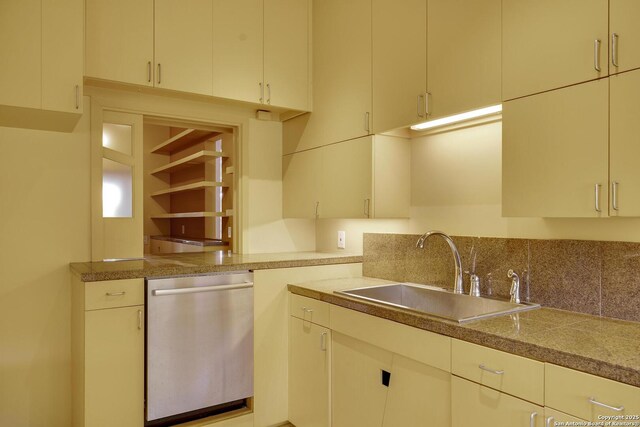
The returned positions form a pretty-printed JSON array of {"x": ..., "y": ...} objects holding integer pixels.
[{"x": 457, "y": 284}]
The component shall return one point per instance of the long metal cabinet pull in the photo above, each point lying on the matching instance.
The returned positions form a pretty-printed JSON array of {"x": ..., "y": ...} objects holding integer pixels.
[
  {"x": 317, "y": 206},
  {"x": 367, "y": 208},
  {"x": 596, "y": 54},
  {"x": 323, "y": 341},
  {"x": 532, "y": 419},
  {"x": 614, "y": 49},
  {"x": 493, "y": 371},
  {"x": 366, "y": 122},
  {"x": 593, "y": 401},
  {"x": 426, "y": 104},
  {"x": 268, "y": 93},
  {"x": 597, "y": 201},
  {"x": 614, "y": 195},
  {"x": 139, "y": 319},
  {"x": 420, "y": 103},
  {"x": 179, "y": 291},
  {"x": 115, "y": 294},
  {"x": 149, "y": 71},
  {"x": 549, "y": 422},
  {"x": 77, "y": 97},
  {"x": 159, "y": 73},
  {"x": 261, "y": 92}
]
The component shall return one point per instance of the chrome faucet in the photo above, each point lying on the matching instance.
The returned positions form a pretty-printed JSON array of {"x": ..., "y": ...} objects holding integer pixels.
[
  {"x": 515, "y": 286},
  {"x": 457, "y": 284}
]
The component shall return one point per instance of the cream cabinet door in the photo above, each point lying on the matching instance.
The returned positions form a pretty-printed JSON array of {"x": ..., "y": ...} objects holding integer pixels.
[
  {"x": 358, "y": 395},
  {"x": 464, "y": 45},
  {"x": 286, "y": 53},
  {"x": 399, "y": 63},
  {"x": 119, "y": 40},
  {"x": 301, "y": 181},
  {"x": 625, "y": 35},
  {"x": 237, "y": 49},
  {"x": 555, "y": 153},
  {"x": 21, "y": 35},
  {"x": 184, "y": 45},
  {"x": 309, "y": 374},
  {"x": 114, "y": 367},
  {"x": 419, "y": 395},
  {"x": 624, "y": 144},
  {"x": 549, "y": 44},
  {"x": 347, "y": 179},
  {"x": 62, "y": 54},
  {"x": 479, "y": 406}
]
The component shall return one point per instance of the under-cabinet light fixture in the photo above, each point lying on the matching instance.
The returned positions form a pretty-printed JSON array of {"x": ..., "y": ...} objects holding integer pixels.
[{"x": 481, "y": 112}]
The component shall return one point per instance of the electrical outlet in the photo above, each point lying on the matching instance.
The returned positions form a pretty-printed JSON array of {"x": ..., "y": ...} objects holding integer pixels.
[{"x": 342, "y": 239}]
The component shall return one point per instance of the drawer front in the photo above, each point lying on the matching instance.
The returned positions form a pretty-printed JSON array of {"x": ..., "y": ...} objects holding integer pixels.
[
  {"x": 309, "y": 309},
  {"x": 414, "y": 343},
  {"x": 502, "y": 371},
  {"x": 572, "y": 392},
  {"x": 113, "y": 293}
]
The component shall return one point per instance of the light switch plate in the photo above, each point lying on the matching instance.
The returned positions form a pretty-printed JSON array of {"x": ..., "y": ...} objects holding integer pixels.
[{"x": 342, "y": 239}]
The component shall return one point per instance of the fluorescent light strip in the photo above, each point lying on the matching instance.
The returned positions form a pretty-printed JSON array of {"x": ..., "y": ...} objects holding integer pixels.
[{"x": 494, "y": 109}]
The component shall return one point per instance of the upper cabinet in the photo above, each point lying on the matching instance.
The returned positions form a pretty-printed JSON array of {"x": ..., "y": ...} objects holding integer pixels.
[
  {"x": 247, "y": 50},
  {"x": 119, "y": 41},
  {"x": 399, "y": 40},
  {"x": 41, "y": 84},
  {"x": 184, "y": 45},
  {"x": 463, "y": 56},
  {"x": 550, "y": 44}
]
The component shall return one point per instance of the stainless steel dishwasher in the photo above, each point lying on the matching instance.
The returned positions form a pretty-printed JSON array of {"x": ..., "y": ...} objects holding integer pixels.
[{"x": 199, "y": 353}]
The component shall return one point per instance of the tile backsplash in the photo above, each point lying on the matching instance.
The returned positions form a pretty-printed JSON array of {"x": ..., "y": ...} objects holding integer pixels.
[{"x": 599, "y": 278}]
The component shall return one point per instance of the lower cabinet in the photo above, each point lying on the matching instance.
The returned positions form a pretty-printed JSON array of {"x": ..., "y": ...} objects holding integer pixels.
[
  {"x": 479, "y": 406},
  {"x": 309, "y": 369},
  {"x": 551, "y": 417}
]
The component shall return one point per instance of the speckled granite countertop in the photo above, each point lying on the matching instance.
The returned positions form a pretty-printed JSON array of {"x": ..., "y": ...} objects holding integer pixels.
[
  {"x": 601, "y": 346},
  {"x": 203, "y": 262}
]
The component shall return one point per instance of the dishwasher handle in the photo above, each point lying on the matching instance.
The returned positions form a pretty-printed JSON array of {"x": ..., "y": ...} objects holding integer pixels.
[{"x": 178, "y": 291}]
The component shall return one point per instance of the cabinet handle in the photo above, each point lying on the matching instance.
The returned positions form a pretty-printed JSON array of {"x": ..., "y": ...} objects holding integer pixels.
[
  {"x": 367, "y": 202},
  {"x": 139, "y": 319},
  {"x": 549, "y": 421},
  {"x": 420, "y": 104},
  {"x": 149, "y": 71},
  {"x": 614, "y": 49},
  {"x": 268, "y": 93},
  {"x": 614, "y": 195},
  {"x": 323, "y": 341},
  {"x": 493, "y": 371},
  {"x": 366, "y": 122},
  {"x": 597, "y": 201},
  {"x": 159, "y": 73},
  {"x": 261, "y": 93},
  {"x": 532, "y": 419},
  {"x": 307, "y": 310},
  {"x": 427, "y": 95},
  {"x": 115, "y": 294},
  {"x": 593, "y": 401},
  {"x": 317, "y": 206},
  {"x": 596, "y": 55},
  {"x": 77, "y": 97}
]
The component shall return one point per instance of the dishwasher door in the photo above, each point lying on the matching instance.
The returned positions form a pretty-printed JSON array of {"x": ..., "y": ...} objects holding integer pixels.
[{"x": 199, "y": 342}]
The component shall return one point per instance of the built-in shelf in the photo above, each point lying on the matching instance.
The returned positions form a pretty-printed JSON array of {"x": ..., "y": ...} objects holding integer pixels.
[
  {"x": 189, "y": 187},
  {"x": 190, "y": 215},
  {"x": 230, "y": 170},
  {"x": 194, "y": 159},
  {"x": 183, "y": 139}
]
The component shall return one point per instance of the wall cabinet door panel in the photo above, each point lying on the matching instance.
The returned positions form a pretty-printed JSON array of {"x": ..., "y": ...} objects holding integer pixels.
[
  {"x": 184, "y": 45},
  {"x": 301, "y": 183},
  {"x": 119, "y": 40},
  {"x": 237, "y": 49},
  {"x": 463, "y": 65},
  {"x": 399, "y": 63},
  {"x": 555, "y": 151},
  {"x": 623, "y": 22},
  {"x": 549, "y": 44},
  {"x": 286, "y": 53}
]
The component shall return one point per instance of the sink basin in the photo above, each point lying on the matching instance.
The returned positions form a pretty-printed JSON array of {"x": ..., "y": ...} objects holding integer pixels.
[{"x": 437, "y": 302}]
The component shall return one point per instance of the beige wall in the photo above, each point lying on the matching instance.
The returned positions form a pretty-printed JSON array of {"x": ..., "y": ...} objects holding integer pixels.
[
  {"x": 44, "y": 225},
  {"x": 456, "y": 180},
  {"x": 264, "y": 228}
]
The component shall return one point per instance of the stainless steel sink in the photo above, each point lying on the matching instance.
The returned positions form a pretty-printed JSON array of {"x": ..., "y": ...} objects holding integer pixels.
[{"x": 437, "y": 302}]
